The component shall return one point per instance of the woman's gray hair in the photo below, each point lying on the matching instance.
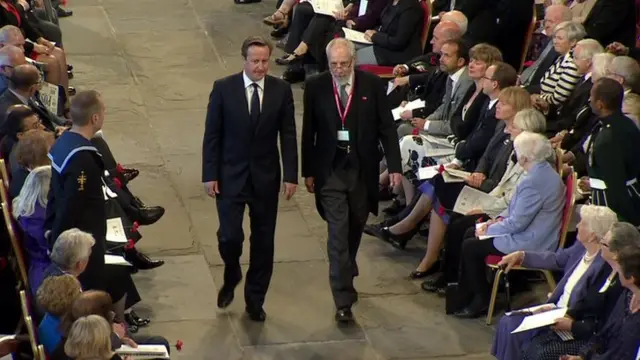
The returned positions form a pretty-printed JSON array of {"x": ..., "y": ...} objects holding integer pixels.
[
  {"x": 34, "y": 192},
  {"x": 536, "y": 148},
  {"x": 575, "y": 31},
  {"x": 530, "y": 120},
  {"x": 588, "y": 48},
  {"x": 341, "y": 42},
  {"x": 625, "y": 239},
  {"x": 598, "y": 219},
  {"x": 600, "y": 65},
  {"x": 71, "y": 247}
]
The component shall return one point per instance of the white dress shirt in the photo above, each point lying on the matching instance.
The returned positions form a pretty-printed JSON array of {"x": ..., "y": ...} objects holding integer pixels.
[{"x": 248, "y": 89}]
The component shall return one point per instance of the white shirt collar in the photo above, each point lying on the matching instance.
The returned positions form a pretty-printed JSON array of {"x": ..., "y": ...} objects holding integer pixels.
[
  {"x": 588, "y": 75},
  {"x": 627, "y": 91},
  {"x": 248, "y": 82},
  {"x": 456, "y": 76},
  {"x": 492, "y": 103}
]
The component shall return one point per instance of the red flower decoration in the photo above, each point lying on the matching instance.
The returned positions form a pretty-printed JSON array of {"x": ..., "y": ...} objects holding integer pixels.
[
  {"x": 441, "y": 169},
  {"x": 117, "y": 182},
  {"x": 130, "y": 244},
  {"x": 179, "y": 344},
  {"x": 119, "y": 168},
  {"x": 135, "y": 226},
  {"x": 415, "y": 131}
]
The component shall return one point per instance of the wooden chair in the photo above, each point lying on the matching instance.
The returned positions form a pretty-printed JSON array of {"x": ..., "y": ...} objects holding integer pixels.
[
  {"x": 31, "y": 331},
  {"x": 493, "y": 260},
  {"x": 4, "y": 173},
  {"x": 386, "y": 72},
  {"x": 527, "y": 39},
  {"x": 16, "y": 245}
]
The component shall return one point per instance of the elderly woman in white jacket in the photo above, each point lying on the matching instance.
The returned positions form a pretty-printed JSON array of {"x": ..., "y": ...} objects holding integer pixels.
[{"x": 525, "y": 120}]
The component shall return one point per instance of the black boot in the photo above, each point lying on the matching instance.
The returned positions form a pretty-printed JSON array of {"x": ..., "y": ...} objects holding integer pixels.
[
  {"x": 133, "y": 318},
  {"x": 140, "y": 260},
  {"x": 63, "y": 13}
]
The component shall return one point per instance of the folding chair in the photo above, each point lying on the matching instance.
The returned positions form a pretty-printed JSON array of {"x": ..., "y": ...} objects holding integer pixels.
[
  {"x": 386, "y": 72},
  {"x": 4, "y": 173},
  {"x": 493, "y": 260},
  {"x": 38, "y": 350},
  {"x": 16, "y": 245}
]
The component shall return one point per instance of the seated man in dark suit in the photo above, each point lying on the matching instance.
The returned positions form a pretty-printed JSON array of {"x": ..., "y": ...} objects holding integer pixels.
[
  {"x": 425, "y": 77},
  {"x": 612, "y": 21}
]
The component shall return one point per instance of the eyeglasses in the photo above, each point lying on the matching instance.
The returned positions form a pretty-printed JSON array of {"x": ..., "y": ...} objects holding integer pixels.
[
  {"x": 486, "y": 78},
  {"x": 341, "y": 64}
]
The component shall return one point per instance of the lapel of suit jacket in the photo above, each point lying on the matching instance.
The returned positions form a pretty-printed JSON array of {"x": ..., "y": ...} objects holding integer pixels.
[
  {"x": 268, "y": 101},
  {"x": 243, "y": 111}
]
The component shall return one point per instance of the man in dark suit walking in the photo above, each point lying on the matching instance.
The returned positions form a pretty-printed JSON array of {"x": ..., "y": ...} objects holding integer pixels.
[
  {"x": 241, "y": 167},
  {"x": 346, "y": 116}
]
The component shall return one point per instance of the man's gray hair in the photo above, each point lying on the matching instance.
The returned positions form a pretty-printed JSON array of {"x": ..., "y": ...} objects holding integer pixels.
[
  {"x": 534, "y": 147},
  {"x": 600, "y": 65},
  {"x": 8, "y": 53},
  {"x": 628, "y": 69},
  {"x": 625, "y": 239},
  {"x": 588, "y": 48},
  {"x": 71, "y": 247},
  {"x": 457, "y": 17},
  {"x": 575, "y": 31},
  {"x": 598, "y": 219},
  {"x": 341, "y": 42},
  {"x": 530, "y": 120}
]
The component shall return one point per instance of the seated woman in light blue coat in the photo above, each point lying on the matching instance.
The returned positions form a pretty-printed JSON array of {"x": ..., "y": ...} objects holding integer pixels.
[
  {"x": 530, "y": 222},
  {"x": 585, "y": 271}
]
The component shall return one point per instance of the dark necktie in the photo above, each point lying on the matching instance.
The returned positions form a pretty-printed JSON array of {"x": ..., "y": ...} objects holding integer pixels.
[
  {"x": 448, "y": 90},
  {"x": 255, "y": 105},
  {"x": 343, "y": 96}
]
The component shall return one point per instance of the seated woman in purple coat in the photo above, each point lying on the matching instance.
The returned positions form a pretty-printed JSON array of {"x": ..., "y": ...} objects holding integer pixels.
[
  {"x": 584, "y": 269},
  {"x": 29, "y": 209}
]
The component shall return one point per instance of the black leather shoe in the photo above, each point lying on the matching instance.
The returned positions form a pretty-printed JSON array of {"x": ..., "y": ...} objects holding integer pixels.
[
  {"x": 344, "y": 315},
  {"x": 293, "y": 76},
  {"x": 435, "y": 285},
  {"x": 232, "y": 279},
  {"x": 71, "y": 91},
  {"x": 70, "y": 74},
  {"x": 279, "y": 33},
  {"x": 257, "y": 315},
  {"x": 130, "y": 174},
  {"x": 150, "y": 214},
  {"x": 289, "y": 59},
  {"x": 132, "y": 328},
  {"x": 69, "y": 67},
  {"x": 133, "y": 318},
  {"x": 473, "y": 311},
  {"x": 63, "y": 13},
  {"x": 394, "y": 208},
  {"x": 141, "y": 261},
  {"x": 422, "y": 274}
]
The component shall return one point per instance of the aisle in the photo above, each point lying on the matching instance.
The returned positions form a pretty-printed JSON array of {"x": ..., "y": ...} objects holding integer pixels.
[{"x": 154, "y": 64}]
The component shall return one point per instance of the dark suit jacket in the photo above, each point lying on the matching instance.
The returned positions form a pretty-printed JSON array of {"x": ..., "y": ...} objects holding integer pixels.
[
  {"x": 482, "y": 19},
  {"x": 371, "y": 17},
  {"x": 30, "y": 31},
  {"x": 545, "y": 64},
  {"x": 612, "y": 20},
  {"x": 49, "y": 120},
  {"x": 399, "y": 37},
  {"x": 514, "y": 18},
  {"x": 471, "y": 148},
  {"x": 233, "y": 149},
  {"x": 461, "y": 127},
  {"x": 564, "y": 117},
  {"x": 373, "y": 125}
]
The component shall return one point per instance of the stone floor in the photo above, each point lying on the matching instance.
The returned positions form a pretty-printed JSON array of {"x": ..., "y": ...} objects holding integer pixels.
[{"x": 154, "y": 62}]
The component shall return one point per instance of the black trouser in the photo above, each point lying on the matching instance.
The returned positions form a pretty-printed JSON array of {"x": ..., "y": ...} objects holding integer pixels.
[
  {"x": 454, "y": 237},
  {"x": 300, "y": 21},
  {"x": 473, "y": 278},
  {"x": 263, "y": 210},
  {"x": 344, "y": 203}
]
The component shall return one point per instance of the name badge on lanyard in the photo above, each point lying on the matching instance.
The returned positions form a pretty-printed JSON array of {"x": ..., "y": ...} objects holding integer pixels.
[{"x": 343, "y": 134}]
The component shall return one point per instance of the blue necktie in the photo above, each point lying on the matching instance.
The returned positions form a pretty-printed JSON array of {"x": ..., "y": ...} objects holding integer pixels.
[{"x": 255, "y": 106}]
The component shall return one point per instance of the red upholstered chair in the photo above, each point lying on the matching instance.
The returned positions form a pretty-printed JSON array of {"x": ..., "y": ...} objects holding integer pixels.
[
  {"x": 387, "y": 71},
  {"x": 493, "y": 260}
]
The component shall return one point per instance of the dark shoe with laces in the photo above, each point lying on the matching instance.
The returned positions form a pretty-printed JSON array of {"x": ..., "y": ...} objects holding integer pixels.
[
  {"x": 257, "y": 315},
  {"x": 133, "y": 318},
  {"x": 344, "y": 316},
  {"x": 62, "y": 13},
  {"x": 232, "y": 278},
  {"x": 436, "y": 284}
]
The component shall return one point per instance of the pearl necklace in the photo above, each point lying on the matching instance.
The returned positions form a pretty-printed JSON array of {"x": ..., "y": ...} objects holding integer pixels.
[{"x": 589, "y": 258}]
